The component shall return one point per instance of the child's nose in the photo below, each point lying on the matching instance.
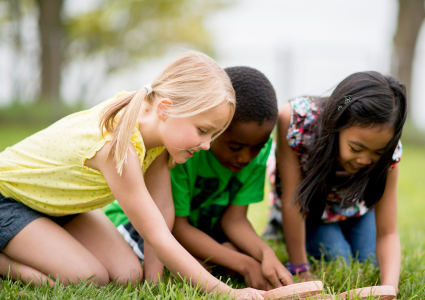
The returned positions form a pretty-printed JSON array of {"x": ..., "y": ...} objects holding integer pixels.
[
  {"x": 364, "y": 160},
  {"x": 205, "y": 146},
  {"x": 244, "y": 157}
]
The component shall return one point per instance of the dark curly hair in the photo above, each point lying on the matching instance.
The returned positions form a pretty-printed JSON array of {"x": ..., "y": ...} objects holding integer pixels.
[
  {"x": 255, "y": 95},
  {"x": 376, "y": 100}
]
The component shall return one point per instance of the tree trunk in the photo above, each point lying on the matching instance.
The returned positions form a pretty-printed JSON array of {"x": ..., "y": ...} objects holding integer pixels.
[
  {"x": 51, "y": 37},
  {"x": 410, "y": 18},
  {"x": 15, "y": 12}
]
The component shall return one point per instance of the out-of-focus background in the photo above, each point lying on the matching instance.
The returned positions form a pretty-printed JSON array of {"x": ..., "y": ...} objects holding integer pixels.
[
  {"x": 84, "y": 51},
  {"x": 59, "y": 56}
]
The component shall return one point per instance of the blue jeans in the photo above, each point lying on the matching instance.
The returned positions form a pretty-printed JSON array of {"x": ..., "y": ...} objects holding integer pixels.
[{"x": 354, "y": 238}]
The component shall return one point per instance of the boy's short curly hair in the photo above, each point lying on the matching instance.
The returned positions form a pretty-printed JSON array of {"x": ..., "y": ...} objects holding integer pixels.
[{"x": 255, "y": 95}]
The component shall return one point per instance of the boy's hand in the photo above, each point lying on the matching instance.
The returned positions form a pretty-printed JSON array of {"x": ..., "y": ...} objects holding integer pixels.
[
  {"x": 248, "y": 293},
  {"x": 252, "y": 273},
  {"x": 275, "y": 272}
]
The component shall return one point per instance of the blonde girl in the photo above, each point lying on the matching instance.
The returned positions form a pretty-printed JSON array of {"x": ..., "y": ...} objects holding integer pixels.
[{"x": 53, "y": 183}]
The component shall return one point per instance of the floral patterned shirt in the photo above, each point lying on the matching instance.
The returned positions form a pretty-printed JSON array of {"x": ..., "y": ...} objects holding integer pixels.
[{"x": 305, "y": 111}]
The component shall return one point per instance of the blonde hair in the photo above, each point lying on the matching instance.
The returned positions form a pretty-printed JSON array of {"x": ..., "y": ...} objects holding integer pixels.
[{"x": 194, "y": 82}]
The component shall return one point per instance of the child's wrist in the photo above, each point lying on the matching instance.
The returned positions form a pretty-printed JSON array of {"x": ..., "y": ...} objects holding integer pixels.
[
  {"x": 268, "y": 252},
  {"x": 246, "y": 265},
  {"x": 294, "y": 269}
]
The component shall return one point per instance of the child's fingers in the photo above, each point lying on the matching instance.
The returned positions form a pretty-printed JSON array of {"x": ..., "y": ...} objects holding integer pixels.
[
  {"x": 257, "y": 295},
  {"x": 284, "y": 276},
  {"x": 306, "y": 276},
  {"x": 269, "y": 286},
  {"x": 249, "y": 293},
  {"x": 271, "y": 279},
  {"x": 280, "y": 278},
  {"x": 275, "y": 281},
  {"x": 248, "y": 281}
]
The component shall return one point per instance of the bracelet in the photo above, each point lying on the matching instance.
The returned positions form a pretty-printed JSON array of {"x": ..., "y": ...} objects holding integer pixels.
[{"x": 298, "y": 269}]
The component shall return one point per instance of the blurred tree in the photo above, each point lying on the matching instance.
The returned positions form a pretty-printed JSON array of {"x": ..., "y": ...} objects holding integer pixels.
[
  {"x": 16, "y": 15},
  {"x": 410, "y": 18},
  {"x": 16, "y": 18},
  {"x": 52, "y": 36},
  {"x": 115, "y": 32}
]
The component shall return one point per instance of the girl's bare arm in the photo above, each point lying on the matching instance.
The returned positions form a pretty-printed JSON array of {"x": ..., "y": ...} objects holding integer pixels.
[
  {"x": 388, "y": 251},
  {"x": 290, "y": 175},
  {"x": 204, "y": 247},
  {"x": 132, "y": 195},
  {"x": 158, "y": 183}
]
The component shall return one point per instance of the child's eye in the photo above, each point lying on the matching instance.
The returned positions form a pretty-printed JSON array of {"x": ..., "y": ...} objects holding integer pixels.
[
  {"x": 235, "y": 148},
  {"x": 201, "y": 131},
  {"x": 354, "y": 150}
]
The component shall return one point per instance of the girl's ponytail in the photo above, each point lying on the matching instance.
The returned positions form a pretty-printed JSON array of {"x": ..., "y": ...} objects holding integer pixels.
[{"x": 121, "y": 132}]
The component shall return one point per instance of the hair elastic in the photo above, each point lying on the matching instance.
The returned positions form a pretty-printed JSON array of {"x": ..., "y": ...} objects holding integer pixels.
[{"x": 148, "y": 87}]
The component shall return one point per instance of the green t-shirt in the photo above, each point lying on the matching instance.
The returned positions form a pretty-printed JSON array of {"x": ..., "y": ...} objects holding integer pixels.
[{"x": 203, "y": 188}]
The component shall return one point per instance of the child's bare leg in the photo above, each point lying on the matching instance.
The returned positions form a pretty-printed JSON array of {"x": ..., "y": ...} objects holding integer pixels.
[
  {"x": 99, "y": 236},
  {"x": 13, "y": 269},
  {"x": 49, "y": 249}
]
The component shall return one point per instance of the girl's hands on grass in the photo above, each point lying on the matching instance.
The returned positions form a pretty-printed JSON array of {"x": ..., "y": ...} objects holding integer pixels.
[
  {"x": 276, "y": 273},
  {"x": 248, "y": 293},
  {"x": 305, "y": 276}
]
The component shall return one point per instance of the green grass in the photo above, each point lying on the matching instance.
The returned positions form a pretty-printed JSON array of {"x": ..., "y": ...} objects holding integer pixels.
[{"x": 337, "y": 276}]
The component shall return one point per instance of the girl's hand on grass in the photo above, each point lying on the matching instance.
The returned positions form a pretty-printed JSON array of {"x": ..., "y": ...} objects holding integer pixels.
[
  {"x": 276, "y": 273},
  {"x": 306, "y": 276},
  {"x": 248, "y": 293}
]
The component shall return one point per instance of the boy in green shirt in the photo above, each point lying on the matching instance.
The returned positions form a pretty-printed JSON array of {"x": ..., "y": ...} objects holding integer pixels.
[{"x": 212, "y": 190}]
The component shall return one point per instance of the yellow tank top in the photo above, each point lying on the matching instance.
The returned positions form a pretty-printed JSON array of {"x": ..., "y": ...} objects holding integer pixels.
[{"x": 46, "y": 171}]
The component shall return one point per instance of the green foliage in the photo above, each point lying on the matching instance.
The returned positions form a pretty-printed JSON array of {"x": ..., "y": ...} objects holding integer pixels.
[
  {"x": 121, "y": 31},
  {"x": 38, "y": 115},
  {"x": 113, "y": 35}
]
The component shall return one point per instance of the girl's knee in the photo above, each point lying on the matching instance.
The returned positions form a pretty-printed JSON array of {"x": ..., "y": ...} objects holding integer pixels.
[
  {"x": 132, "y": 274},
  {"x": 91, "y": 274}
]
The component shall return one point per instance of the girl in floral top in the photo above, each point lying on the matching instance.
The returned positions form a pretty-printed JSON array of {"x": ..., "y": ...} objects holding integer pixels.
[{"x": 336, "y": 173}]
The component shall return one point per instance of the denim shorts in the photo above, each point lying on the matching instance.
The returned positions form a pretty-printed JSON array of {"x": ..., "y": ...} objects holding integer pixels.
[
  {"x": 14, "y": 216},
  {"x": 354, "y": 237}
]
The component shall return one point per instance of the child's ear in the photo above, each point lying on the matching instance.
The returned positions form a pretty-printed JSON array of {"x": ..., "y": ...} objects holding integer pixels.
[{"x": 163, "y": 107}]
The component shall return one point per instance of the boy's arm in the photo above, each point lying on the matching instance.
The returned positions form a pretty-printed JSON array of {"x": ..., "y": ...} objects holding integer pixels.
[
  {"x": 132, "y": 195},
  {"x": 157, "y": 180},
  {"x": 240, "y": 232},
  {"x": 202, "y": 246},
  {"x": 388, "y": 252}
]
